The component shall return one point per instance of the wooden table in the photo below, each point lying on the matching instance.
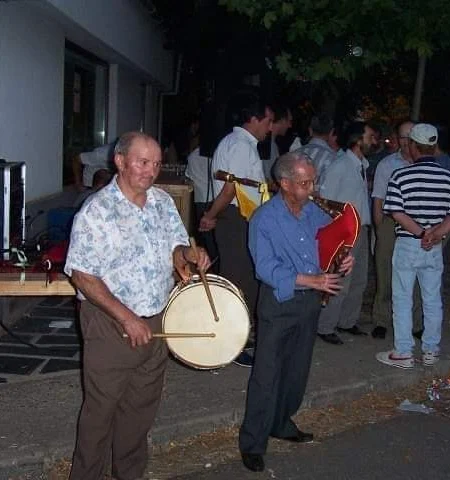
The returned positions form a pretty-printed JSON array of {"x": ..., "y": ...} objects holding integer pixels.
[
  {"x": 180, "y": 189},
  {"x": 34, "y": 285}
]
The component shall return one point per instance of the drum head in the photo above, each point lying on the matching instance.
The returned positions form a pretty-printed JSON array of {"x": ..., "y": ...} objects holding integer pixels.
[{"x": 189, "y": 311}]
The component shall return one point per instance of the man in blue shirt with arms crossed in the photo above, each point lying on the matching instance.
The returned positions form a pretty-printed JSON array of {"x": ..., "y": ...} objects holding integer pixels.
[{"x": 282, "y": 242}]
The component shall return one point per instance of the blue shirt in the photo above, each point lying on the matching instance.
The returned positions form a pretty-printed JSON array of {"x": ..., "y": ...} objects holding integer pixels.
[
  {"x": 444, "y": 161},
  {"x": 343, "y": 182},
  {"x": 282, "y": 245}
]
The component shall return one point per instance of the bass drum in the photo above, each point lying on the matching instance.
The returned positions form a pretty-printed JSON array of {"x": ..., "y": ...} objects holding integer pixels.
[{"x": 189, "y": 311}]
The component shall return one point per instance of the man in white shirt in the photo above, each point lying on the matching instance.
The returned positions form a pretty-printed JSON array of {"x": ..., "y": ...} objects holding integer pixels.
[
  {"x": 237, "y": 154},
  {"x": 199, "y": 171},
  {"x": 345, "y": 181},
  {"x": 86, "y": 164}
]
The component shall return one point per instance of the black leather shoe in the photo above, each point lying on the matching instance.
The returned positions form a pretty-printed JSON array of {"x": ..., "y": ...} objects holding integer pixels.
[
  {"x": 331, "y": 338},
  {"x": 418, "y": 334},
  {"x": 245, "y": 358},
  {"x": 379, "y": 332},
  {"x": 253, "y": 461},
  {"x": 300, "y": 437},
  {"x": 355, "y": 330}
]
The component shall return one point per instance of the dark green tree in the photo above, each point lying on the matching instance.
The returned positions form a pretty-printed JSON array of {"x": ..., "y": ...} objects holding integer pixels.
[{"x": 314, "y": 39}]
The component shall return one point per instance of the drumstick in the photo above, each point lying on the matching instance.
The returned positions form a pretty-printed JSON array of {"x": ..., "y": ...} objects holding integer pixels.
[
  {"x": 179, "y": 335},
  {"x": 204, "y": 280}
]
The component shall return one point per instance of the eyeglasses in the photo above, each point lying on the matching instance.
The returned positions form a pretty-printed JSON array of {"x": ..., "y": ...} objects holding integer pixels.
[{"x": 304, "y": 183}]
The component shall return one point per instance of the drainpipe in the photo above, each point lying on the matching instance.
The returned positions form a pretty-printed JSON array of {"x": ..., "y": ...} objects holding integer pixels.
[{"x": 162, "y": 95}]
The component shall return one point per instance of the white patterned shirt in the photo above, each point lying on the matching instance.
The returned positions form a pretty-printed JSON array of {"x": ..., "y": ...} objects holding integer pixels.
[{"x": 128, "y": 248}]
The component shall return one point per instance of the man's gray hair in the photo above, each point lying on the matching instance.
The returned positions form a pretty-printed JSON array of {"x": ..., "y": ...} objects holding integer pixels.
[
  {"x": 285, "y": 165},
  {"x": 125, "y": 141}
]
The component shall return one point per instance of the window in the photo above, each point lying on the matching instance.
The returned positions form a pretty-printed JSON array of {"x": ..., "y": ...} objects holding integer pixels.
[{"x": 85, "y": 105}]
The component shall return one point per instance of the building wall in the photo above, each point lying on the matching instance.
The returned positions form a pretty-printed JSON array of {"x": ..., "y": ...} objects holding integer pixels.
[
  {"x": 31, "y": 95},
  {"x": 119, "y": 31},
  {"x": 32, "y": 43}
]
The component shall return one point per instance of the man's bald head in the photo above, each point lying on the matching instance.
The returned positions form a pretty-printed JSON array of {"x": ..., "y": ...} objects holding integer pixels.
[{"x": 287, "y": 165}]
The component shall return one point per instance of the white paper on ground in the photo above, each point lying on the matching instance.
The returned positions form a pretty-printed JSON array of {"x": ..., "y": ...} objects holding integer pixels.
[{"x": 61, "y": 324}]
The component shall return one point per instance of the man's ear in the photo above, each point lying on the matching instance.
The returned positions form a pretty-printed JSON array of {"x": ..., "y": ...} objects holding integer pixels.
[
  {"x": 284, "y": 184},
  {"x": 119, "y": 161}
]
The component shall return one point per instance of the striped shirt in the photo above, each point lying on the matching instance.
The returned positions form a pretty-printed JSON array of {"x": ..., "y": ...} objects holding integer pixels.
[{"x": 421, "y": 191}]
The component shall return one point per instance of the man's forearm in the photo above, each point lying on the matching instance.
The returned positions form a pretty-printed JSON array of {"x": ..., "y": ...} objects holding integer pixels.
[
  {"x": 222, "y": 200},
  {"x": 377, "y": 211},
  {"x": 408, "y": 223},
  {"x": 96, "y": 291}
]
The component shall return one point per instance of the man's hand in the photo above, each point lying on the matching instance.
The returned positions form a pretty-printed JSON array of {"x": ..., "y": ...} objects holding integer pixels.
[
  {"x": 138, "y": 332},
  {"x": 324, "y": 282},
  {"x": 207, "y": 223},
  {"x": 183, "y": 255},
  {"x": 432, "y": 237},
  {"x": 347, "y": 265}
]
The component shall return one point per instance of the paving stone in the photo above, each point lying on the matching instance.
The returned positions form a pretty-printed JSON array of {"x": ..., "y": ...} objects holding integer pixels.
[
  {"x": 32, "y": 324},
  {"x": 67, "y": 352},
  {"x": 58, "y": 365},
  {"x": 53, "y": 312},
  {"x": 70, "y": 302},
  {"x": 57, "y": 339},
  {"x": 19, "y": 365},
  {"x": 52, "y": 301},
  {"x": 11, "y": 339}
]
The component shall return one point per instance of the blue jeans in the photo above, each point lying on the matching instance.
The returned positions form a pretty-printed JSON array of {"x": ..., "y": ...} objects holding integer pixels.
[{"x": 409, "y": 262}]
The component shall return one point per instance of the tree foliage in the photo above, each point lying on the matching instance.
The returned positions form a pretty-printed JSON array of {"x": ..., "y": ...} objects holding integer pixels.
[{"x": 315, "y": 39}]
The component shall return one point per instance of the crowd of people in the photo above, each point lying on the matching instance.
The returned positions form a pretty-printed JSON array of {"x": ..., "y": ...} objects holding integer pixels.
[{"x": 128, "y": 239}]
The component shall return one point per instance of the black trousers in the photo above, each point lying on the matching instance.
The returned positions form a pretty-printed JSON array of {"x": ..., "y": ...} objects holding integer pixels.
[
  {"x": 236, "y": 264},
  {"x": 285, "y": 341},
  {"x": 206, "y": 239}
]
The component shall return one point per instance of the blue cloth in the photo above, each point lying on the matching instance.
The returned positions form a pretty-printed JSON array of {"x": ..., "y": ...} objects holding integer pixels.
[
  {"x": 282, "y": 245},
  {"x": 411, "y": 261},
  {"x": 443, "y": 160}
]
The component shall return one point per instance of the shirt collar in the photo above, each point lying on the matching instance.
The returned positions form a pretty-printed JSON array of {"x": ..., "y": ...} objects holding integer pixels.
[
  {"x": 356, "y": 160},
  {"x": 243, "y": 132},
  {"x": 321, "y": 142},
  {"x": 281, "y": 206},
  {"x": 118, "y": 195},
  {"x": 427, "y": 158}
]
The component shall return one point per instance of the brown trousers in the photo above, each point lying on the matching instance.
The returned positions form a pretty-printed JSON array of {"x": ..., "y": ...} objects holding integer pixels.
[{"x": 122, "y": 392}]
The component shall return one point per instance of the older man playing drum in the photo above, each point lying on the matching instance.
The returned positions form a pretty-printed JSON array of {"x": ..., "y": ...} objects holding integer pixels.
[{"x": 125, "y": 242}]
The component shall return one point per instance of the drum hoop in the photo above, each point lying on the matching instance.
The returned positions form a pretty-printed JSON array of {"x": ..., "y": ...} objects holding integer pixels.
[{"x": 182, "y": 359}]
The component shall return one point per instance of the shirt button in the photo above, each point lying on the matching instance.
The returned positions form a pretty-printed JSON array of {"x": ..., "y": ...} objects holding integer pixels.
[
  {"x": 305, "y": 256},
  {"x": 301, "y": 239}
]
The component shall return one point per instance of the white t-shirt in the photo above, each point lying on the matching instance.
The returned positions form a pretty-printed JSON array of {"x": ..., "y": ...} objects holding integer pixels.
[
  {"x": 197, "y": 171},
  {"x": 98, "y": 159},
  {"x": 237, "y": 153}
]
